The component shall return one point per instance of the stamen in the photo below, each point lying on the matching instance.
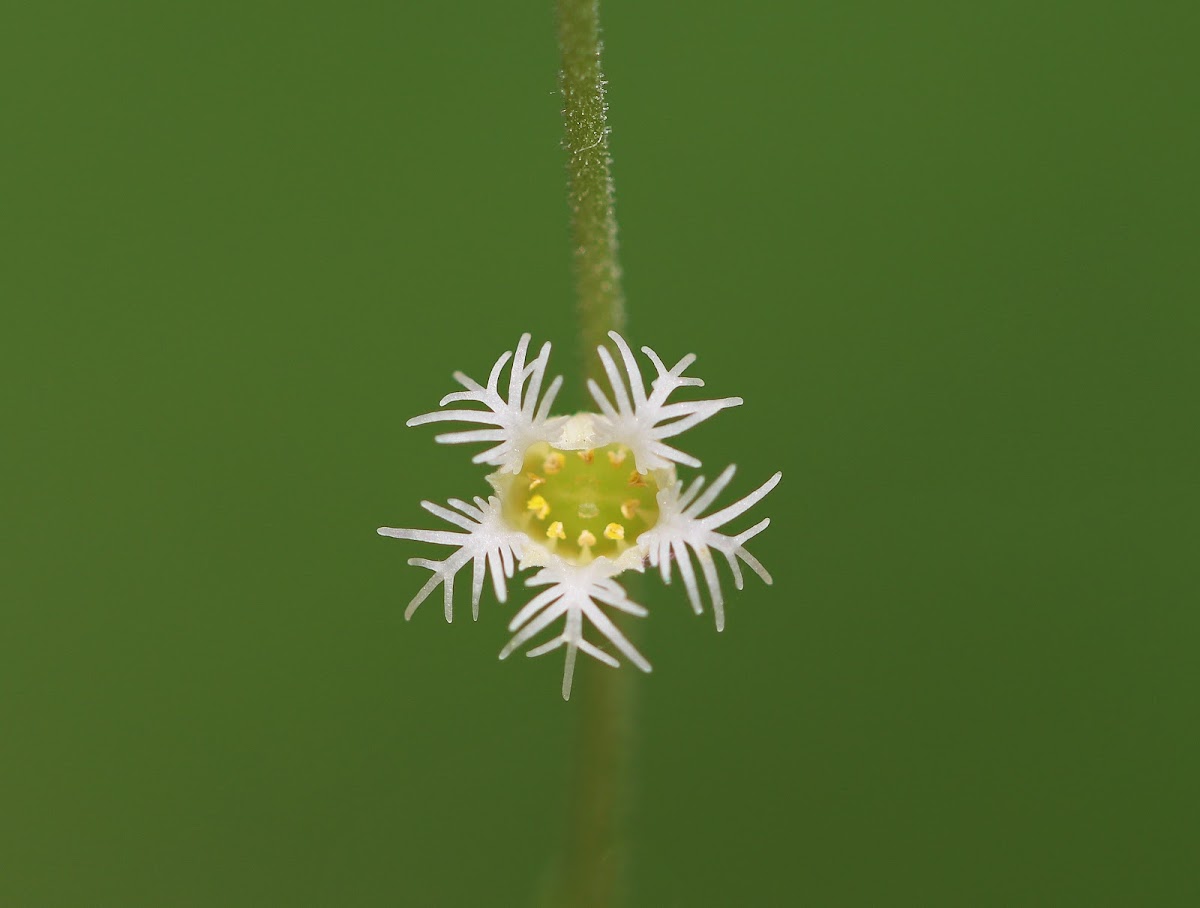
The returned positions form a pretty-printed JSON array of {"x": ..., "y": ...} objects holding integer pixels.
[{"x": 581, "y": 505}]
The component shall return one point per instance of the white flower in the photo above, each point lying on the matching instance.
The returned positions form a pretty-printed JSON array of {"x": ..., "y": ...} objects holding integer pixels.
[{"x": 582, "y": 499}]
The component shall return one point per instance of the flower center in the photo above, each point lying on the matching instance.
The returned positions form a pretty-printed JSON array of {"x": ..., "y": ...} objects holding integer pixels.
[{"x": 582, "y": 504}]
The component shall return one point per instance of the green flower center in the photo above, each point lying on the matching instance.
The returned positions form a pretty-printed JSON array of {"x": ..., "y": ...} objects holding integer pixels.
[{"x": 582, "y": 504}]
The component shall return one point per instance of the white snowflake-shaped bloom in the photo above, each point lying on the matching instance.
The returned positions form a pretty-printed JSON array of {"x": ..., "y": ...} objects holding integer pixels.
[{"x": 581, "y": 500}]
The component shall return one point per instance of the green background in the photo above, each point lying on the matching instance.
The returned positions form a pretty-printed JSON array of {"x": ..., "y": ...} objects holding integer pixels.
[{"x": 947, "y": 252}]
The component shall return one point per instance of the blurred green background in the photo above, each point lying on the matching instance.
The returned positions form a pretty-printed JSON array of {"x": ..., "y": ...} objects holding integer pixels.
[{"x": 946, "y": 252}]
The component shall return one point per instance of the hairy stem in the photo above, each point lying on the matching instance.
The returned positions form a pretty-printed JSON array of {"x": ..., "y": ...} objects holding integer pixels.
[
  {"x": 589, "y": 177},
  {"x": 592, "y": 871}
]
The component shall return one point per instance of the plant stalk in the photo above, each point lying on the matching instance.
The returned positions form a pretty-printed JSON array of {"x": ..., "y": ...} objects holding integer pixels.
[
  {"x": 589, "y": 178},
  {"x": 593, "y": 866}
]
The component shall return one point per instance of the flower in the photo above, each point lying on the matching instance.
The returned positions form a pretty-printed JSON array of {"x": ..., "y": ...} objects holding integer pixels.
[{"x": 582, "y": 499}]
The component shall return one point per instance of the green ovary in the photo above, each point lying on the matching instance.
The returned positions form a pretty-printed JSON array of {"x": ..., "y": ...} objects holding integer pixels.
[{"x": 582, "y": 504}]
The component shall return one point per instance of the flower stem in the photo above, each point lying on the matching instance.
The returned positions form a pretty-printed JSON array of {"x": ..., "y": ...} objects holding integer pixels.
[
  {"x": 592, "y": 870},
  {"x": 589, "y": 177}
]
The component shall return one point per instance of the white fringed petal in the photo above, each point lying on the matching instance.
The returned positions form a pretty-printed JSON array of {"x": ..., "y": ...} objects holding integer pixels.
[
  {"x": 642, "y": 421},
  {"x": 575, "y": 592},
  {"x": 681, "y": 527},
  {"x": 518, "y": 421},
  {"x": 488, "y": 542}
]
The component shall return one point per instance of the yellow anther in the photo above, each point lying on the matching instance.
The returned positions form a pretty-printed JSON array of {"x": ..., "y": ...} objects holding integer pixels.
[{"x": 577, "y": 505}]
